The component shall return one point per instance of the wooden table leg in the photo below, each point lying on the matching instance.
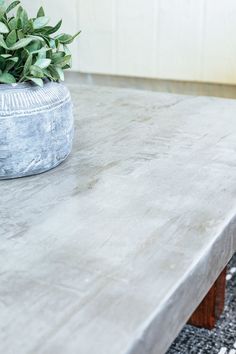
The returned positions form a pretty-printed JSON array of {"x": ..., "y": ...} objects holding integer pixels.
[{"x": 212, "y": 306}]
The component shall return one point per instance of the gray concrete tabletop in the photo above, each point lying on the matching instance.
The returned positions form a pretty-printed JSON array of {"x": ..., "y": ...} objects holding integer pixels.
[{"x": 111, "y": 252}]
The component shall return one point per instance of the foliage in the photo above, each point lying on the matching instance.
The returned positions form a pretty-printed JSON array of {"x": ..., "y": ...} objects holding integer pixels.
[{"x": 30, "y": 50}]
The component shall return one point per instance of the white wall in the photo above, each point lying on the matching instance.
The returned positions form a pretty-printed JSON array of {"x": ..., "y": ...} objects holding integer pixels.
[{"x": 169, "y": 39}]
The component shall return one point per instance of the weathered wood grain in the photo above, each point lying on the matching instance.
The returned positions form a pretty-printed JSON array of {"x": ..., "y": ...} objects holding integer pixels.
[{"x": 102, "y": 254}]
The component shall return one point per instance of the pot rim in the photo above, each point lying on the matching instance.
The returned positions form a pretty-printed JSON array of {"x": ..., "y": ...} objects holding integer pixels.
[{"x": 23, "y": 85}]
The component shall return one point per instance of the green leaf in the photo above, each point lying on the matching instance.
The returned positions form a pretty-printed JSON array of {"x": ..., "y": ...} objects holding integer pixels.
[
  {"x": 3, "y": 28},
  {"x": 12, "y": 24},
  {"x": 11, "y": 38},
  {"x": 36, "y": 71},
  {"x": 33, "y": 47},
  {"x": 38, "y": 82},
  {"x": 40, "y": 22},
  {"x": 28, "y": 64},
  {"x": 27, "y": 49},
  {"x": 54, "y": 73},
  {"x": 36, "y": 38},
  {"x": 2, "y": 42},
  {"x": 20, "y": 34},
  {"x": 68, "y": 66},
  {"x": 24, "y": 19},
  {"x": 11, "y": 63},
  {"x": 41, "y": 12},
  {"x": 60, "y": 73},
  {"x": 19, "y": 24},
  {"x": 43, "y": 63},
  {"x": 44, "y": 39},
  {"x": 19, "y": 11},
  {"x": 66, "y": 38},
  {"x": 12, "y": 6},
  {"x": 57, "y": 56},
  {"x": 48, "y": 74},
  {"x": 61, "y": 62},
  {"x": 21, "y": 44},
  {"x": 6, "y": 78},
  {"x": 42, "y": 53},
  {"x": 2, "y": 11},
  {"x": 54, "y": 29},
  {"x": 75, "y": 35},
  {"x": 52, "y": 43},
  {"x": 30, "y": 26},
  {"x": 43, "y": 30},
  {"x": 14, "y": 59},
  {"x": 6, "y": 56},
  {"x": 66, "y": 50},
  {"x": 23, "y": 54}
]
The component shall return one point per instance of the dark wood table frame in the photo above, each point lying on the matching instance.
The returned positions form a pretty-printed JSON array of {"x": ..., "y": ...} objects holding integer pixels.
[{"x": 212, "y": 306}]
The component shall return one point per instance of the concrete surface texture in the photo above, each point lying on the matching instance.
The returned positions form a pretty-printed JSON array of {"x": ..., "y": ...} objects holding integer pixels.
[{"x": 112, "y": 251}]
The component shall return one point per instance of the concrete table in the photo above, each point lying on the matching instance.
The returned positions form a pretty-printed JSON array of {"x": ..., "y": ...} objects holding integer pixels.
[{"x": 113, "y": 251}]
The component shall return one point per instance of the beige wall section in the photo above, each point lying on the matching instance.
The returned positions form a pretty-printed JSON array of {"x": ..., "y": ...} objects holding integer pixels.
[
  {"x": 179, "y": 53},
  {"x": 191, "y": 40},
  {"x": 168, "y": 39},
  {"x": 219, "y": 52}
]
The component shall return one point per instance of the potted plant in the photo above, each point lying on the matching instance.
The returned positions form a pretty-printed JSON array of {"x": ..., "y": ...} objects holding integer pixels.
[{"x": 36, "y": 119}]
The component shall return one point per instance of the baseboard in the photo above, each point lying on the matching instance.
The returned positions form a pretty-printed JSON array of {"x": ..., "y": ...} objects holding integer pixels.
[{"x": 180, "y": 87}]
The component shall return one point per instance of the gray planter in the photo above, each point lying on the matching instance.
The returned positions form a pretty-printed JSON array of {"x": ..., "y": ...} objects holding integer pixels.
[{"x": 36, "y": 128}]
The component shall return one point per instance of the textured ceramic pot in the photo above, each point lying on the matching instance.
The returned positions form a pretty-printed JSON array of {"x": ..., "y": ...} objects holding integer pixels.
[{"x": 36, "y": 128}]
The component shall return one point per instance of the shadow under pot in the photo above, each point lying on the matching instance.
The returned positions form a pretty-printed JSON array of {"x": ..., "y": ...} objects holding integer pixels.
[{"x": 36, "y": 128}]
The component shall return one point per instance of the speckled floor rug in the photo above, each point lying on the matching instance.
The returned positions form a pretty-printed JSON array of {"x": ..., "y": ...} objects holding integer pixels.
[{"x": 221, "y": 340}]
